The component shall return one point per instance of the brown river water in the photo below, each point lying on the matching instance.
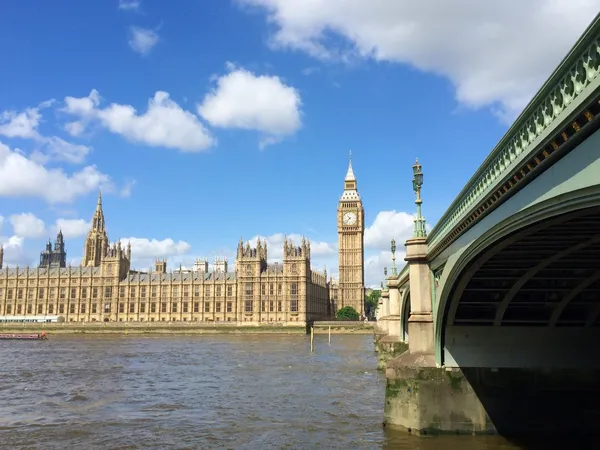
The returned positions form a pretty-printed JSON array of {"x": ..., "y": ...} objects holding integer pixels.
[{"x": 204, "y": 392}]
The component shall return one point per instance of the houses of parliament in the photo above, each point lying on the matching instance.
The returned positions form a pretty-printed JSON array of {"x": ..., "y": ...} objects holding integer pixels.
[{"x": 104, "y": 288}]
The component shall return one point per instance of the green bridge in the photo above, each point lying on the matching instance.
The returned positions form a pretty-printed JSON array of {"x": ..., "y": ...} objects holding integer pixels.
[{"x": 493, "y": 324}]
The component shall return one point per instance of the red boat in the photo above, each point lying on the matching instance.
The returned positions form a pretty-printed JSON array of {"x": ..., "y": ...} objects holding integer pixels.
[{"x": 23, "y": 337}]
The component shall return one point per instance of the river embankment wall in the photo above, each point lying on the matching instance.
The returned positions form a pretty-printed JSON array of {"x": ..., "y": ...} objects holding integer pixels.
[{"x": 184, "y": 328}]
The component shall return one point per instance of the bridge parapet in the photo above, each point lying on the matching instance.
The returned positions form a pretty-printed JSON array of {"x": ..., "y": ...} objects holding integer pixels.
[{"x": 529, "y": 141}]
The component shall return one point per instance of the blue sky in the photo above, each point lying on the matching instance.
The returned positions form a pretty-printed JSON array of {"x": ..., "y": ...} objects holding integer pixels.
[{"x": 209, "y": 121}]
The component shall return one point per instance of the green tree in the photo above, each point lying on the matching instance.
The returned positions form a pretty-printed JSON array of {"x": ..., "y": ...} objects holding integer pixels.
[
  {"x": 347, "y": 313},
  {"x": 371, "y": 300}
]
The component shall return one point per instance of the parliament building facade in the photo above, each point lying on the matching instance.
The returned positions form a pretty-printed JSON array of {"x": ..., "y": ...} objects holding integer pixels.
[{"x": 104, "y": 288}]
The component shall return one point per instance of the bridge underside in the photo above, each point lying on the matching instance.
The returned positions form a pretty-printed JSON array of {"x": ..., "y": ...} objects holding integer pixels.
[{"x": 535, "y": 293}]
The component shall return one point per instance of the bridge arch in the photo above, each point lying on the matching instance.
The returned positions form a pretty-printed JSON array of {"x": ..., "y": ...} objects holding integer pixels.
[
  {"x": 560, "y": 236},
  {"x": 404, "y": 313}
]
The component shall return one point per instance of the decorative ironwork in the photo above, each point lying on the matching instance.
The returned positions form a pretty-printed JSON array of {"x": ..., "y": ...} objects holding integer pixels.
[{"x": 559, "y": 96}]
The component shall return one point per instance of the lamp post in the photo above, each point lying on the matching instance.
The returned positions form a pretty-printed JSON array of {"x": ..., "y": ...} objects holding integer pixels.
[
  {"x": 394, "y": 272},
  {"x": 385, "y": 277},
  {"x": 417, "y": 183}
]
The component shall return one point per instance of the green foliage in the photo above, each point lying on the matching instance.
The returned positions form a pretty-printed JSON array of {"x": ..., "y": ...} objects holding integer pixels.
[
  {"x": 372, "y": 300},
  {"x": 347, "y": 313}
]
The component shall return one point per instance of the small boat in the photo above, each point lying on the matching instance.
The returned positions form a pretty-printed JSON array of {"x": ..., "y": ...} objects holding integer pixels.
[{"x": 23, "y": 337}]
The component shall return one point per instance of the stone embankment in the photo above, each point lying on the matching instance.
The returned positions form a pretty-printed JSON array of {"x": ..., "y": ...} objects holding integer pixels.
[{"x": 184, "y": 328}]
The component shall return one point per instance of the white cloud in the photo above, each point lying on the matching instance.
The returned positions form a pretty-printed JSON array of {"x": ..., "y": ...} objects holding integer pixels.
[
  {"x": 144, "y": 251},
  {"x": 473, "y": 43},
  {"x": 129, "y": 5},
  {"x": 58, "y": 149},
  {"x": 377, "y": 262},
  {"x": 247, "y": 101},
  {"x": 164, "y": 124},
  {"x": 25, "y": 125},
  {"x": 23, "y": 177},
  {"x": 27, "y": 225},
  {"x": 142, "y": 40},
  {"x": 72, "y": 228},
  {"x": 14, "y": 253},
  {"x": 389, "y": 225},
  {"x": 20, "y": 125}
]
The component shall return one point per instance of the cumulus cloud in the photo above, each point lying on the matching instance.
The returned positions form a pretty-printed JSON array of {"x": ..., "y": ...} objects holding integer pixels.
[
  {"x": 375, "y": 265},
  {"x": 129, "y": 5},
  {"x": 472, "y": 43},
  {"x": 27, "y": 225},
  {"x": 24, "y": 177},
  {"x": 20, "y": 124},
  {"x": 25, "y": 125},
  {"x": 72, "y": 228},
  {"x": 144, "y": 251},
  {"x": 164, "y": 124},
  {"x": 262, "y": 103},
  {"x": 142, "y": 40},
  {"x": 14, "y": 253},
  {"x": 389, "y": 225}
]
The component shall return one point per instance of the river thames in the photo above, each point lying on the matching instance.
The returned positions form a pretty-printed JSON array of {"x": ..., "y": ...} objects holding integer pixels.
[{"x": 201, "y": 392}]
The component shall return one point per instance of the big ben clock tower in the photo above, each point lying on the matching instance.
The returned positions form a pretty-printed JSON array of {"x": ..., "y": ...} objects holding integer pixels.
[{"x": 351, "y": 230}]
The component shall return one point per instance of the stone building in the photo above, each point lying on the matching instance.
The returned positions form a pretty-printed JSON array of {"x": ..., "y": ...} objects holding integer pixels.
[
  {"x": 53, "y": 258},
  {"x": 104, "y": 288}
]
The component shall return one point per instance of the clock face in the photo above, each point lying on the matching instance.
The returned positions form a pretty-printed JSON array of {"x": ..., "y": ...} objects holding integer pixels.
[{"x": 349, "y": 218}]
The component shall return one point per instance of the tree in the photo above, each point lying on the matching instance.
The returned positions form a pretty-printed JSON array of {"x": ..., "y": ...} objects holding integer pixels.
[
  {"x": 347, "y": 313},
  {"x": 371, "y": 301}
]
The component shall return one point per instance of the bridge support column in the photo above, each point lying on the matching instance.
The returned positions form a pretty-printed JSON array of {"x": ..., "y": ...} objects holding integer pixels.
[
  {"x": 420, "y": 322},
  {"x": 391, "y": 345},
  {"x": 421, "y": 397}
]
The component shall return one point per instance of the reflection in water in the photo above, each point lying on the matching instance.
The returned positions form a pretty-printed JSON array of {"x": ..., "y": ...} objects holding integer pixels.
[{"x": 225, "y": 392}]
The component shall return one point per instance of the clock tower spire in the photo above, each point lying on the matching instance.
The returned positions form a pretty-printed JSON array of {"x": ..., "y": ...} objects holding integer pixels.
[{"x": 351, "y": 256}]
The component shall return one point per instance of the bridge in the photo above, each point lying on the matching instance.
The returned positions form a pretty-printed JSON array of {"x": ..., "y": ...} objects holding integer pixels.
[{"x": 493, "y": 324}]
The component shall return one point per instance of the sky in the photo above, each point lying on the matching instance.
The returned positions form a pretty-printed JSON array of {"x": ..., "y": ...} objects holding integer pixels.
[{"x": 206, "y": 121}]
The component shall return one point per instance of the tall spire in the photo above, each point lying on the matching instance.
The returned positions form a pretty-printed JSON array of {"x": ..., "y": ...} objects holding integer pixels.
[
  {"x": 350, "y": 188},
  {"x": 350, "y": 174},
  {"x": 98, "y": 219}
]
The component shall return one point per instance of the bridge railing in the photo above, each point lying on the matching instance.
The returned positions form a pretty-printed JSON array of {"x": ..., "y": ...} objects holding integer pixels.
[{"x": 551, "y": 107}]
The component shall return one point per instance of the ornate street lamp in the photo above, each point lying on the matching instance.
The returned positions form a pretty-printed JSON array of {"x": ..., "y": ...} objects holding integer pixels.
[
  {"x": 385, "y": 277},
  {"x": 417, "y": 183},
  {"x": 394, "y": 272}
]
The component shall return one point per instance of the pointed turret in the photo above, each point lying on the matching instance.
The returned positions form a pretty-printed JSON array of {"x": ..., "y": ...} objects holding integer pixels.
[
  {"x": 96, "y": 244},
  {"x": 350, "y": 188},
  {"x": 350, "y": 174}
]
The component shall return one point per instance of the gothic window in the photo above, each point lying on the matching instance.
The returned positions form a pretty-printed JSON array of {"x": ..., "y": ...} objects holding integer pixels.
[
  {"x": 249, "y": 270},
  {"x": 229, "y": 291},
  {"x": 294, "y": 268},
  {"x": 248, "y": 306}
]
